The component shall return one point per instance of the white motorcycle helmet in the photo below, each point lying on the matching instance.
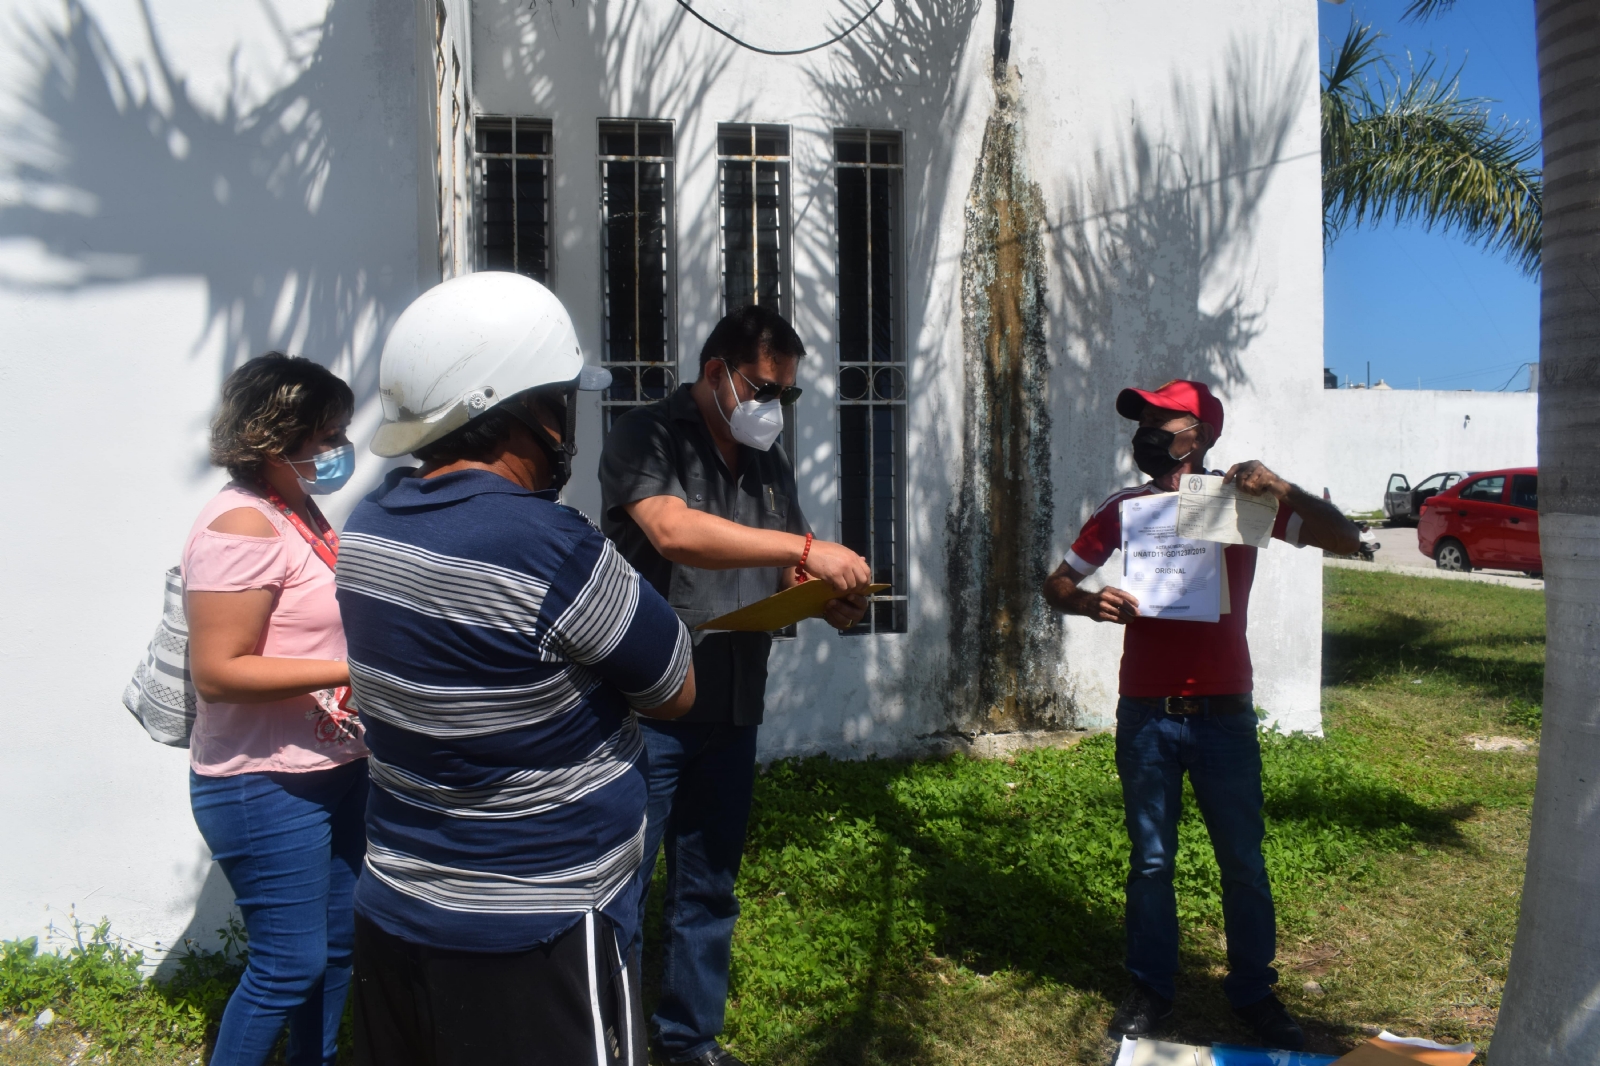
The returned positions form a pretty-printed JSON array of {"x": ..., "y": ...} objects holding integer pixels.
[{"x": 467, "y": 344}]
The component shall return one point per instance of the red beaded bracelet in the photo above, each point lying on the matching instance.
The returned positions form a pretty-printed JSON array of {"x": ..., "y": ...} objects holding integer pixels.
[{"x": 800, "y": 567}]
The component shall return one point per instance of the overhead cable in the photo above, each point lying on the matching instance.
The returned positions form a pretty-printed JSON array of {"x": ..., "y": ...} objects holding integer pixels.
[
  {"x": 782, "y": 52},
  {"x": 1513, "y": 377}
]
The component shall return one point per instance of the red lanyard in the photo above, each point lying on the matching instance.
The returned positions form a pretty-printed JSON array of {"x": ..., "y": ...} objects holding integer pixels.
[{"x": 327, "y": 545}]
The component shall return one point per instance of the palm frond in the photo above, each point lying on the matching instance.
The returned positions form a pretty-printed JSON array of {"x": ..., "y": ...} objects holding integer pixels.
[
  {"x": 1355, "y": 54},
  {"x": 1422, "y": 10},
  {"x": 1345, "y": 97},
  {"x": 1415, "y": 150}
]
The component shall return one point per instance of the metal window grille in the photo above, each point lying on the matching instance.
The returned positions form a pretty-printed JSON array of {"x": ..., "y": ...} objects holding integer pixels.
[
  {"x": 753, "y": 195},
  {"x": 754, "y": 198},
  {"x": 514, "y": 159},
  {"x": 869, "y": 171},
  {"x": 636, "y": 160}
]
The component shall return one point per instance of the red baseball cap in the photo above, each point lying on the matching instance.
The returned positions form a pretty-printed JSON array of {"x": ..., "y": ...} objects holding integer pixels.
[{"x": 1191, "y": 397}]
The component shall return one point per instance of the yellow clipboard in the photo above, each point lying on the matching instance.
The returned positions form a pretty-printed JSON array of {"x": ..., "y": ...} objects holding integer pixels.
[{"x": 782, "y": 609}]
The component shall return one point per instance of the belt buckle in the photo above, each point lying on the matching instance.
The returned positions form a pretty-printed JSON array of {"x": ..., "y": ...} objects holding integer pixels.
[{"x": 1184, "y": 706}]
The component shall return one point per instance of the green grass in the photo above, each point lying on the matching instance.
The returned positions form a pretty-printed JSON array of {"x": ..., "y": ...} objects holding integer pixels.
[
  {"x": 962, "y": 911},
  {"x": 105, "y": 1004},
  {"x": 958, "y": 910}
]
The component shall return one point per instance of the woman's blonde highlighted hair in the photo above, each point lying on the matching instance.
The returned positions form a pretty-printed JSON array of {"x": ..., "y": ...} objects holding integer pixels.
[{"x": 272, "y": 405}]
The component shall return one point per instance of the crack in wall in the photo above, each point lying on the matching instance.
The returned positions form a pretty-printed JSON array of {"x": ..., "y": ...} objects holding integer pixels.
[{"x": 1005, "y": 642}]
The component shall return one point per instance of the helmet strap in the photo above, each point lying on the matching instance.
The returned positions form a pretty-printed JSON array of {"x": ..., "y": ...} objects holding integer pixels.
[{"x": 559, "y": 452}]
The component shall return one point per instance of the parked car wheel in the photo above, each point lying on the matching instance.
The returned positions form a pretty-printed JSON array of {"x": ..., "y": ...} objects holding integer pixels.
[{"x": 1450, "y": 555}]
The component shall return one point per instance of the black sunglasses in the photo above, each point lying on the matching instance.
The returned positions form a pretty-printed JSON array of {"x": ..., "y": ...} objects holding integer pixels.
[{"x": 768, "y": 391}]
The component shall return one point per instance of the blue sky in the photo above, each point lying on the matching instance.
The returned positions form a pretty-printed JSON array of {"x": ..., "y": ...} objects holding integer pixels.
[{"x": 1422, "y": 305}]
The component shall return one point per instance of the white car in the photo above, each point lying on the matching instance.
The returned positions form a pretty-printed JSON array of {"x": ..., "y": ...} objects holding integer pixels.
[{"x": 1402, "y": 504}]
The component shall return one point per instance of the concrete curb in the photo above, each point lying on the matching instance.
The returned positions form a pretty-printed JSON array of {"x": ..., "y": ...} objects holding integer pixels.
[{"x": 1447, "y": 575}]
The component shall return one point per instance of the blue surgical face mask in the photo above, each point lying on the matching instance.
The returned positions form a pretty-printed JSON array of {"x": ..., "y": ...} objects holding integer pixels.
[{"x": 334, "y": 468}]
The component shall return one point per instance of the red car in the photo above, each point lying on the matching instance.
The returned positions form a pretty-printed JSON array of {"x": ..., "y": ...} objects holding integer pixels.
[{"x": 1490, "y": 519}]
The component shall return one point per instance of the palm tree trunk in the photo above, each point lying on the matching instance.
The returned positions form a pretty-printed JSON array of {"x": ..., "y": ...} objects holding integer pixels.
[{"x": 1551, "y": 1010}]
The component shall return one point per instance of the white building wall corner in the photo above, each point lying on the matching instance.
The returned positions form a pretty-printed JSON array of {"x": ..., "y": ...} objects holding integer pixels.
[
  {"x": 425, "y": 57},
  {"x": 445, "y": 28}
]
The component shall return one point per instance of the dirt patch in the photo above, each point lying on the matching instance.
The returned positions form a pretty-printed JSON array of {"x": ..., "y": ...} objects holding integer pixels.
[
  {"x": 1483, "y": 743},
  {"x": 1313, "y": 961}
]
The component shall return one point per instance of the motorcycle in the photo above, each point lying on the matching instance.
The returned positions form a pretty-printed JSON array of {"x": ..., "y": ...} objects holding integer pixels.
[{"x": 1368, "y": 549}]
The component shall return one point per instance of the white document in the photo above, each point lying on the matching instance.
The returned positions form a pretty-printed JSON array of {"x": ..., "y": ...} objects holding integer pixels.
[
  {"x": 1147, "y": 1052},
  {"x": 1464, "y": 1048},
  {"x": 1173, "y": 576},
  {"x": 1210, "y": 510}
]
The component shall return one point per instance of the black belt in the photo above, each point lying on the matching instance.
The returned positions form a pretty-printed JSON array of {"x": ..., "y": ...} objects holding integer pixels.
[{"x": 1184, "y": 706}]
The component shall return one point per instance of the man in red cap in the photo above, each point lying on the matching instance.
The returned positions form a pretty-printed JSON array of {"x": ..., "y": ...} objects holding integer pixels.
[{"x": 1186, "y": 706}]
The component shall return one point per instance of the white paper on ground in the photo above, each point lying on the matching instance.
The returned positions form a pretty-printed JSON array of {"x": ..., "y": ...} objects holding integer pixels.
[
  {"x": 1417, "y": 1041},
  {"x": 1172, "y": 576},
  {"x": 1125, "y": 1052},
  {"x": 1210, "y": 510},
  {"x": 1162, "y": 1053}
]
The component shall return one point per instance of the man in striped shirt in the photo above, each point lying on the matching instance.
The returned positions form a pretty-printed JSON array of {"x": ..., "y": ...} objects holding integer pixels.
[{"x": 498, "y": 643}]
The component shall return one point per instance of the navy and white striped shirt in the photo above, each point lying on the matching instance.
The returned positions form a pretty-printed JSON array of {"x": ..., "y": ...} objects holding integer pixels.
[{"x": 497, "y": 642}]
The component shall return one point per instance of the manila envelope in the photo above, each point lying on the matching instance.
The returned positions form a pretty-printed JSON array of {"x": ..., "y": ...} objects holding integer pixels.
[
  {"x": 1377, "y": 1052},
  {"x": 782, "y": 609}
]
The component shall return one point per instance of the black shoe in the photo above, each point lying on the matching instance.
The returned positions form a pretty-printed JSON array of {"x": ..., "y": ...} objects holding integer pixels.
[
  {"x": 1272, "y": 1024},
  {"x": 717, "y": 1056},
  {"x": 1141, "y": 1013}
]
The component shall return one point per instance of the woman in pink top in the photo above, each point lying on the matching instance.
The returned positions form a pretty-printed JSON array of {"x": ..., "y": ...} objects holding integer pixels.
[{"x": 278, "y": 772}]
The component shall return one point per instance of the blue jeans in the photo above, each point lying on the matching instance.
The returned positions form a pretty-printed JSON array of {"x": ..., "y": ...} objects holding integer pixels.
[
  {"x": 701, "y": 775},
  {"x": 292, "y": 846},
  {"x": 1223, "y": 758}
]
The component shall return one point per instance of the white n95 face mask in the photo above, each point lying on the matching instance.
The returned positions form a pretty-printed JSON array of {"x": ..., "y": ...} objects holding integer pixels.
[{"x": 753, "y": 423}]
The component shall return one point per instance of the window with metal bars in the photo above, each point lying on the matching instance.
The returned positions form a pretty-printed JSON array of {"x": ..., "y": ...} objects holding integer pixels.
[
  {"x": 753, "y": 163},
  {"x": 753, "y": 194},
  {"x": 636, "y": 227},
  {"x": 869, "y": 172},
  {"x": 513, "y": 161}
]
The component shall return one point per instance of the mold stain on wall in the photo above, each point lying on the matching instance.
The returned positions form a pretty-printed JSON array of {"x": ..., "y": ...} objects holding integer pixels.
[{"x": 1005, "y": 643}]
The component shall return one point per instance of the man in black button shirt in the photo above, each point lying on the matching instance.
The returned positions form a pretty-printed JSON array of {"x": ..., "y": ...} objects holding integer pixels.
[{"x": 699, "y": 497}]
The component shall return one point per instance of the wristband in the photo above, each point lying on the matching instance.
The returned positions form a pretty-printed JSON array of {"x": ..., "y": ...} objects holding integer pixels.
[{"x": 800, "y": 567}]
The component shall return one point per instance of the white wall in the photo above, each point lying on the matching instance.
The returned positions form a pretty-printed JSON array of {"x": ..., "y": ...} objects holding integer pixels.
[
  {"x": 178, "y": 196},
  {"x": 1177, "y": 147},
  {"x": 1372, "y": 433},
  {"x": 164, "y": 219},
  {"x": 1176, "y": 150}
]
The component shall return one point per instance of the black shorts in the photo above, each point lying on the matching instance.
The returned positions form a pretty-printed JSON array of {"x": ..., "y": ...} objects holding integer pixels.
[{"x": 571, "y": 1002}]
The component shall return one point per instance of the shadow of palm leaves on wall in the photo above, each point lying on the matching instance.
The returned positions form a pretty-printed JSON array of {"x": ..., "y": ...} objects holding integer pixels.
[
  {"x": 904, "y": 69},
  {"x": 271, "y": 205},
  {"x": 1151, "y": 251},
  {"x": 630, "y": 62}
]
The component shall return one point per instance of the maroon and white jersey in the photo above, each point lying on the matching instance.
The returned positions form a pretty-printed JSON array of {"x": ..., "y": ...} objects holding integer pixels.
[{"x": 1173, "y": 657}]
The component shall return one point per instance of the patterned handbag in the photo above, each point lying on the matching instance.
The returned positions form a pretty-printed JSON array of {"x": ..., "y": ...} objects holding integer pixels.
[{"x": 161, "y": 695}]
